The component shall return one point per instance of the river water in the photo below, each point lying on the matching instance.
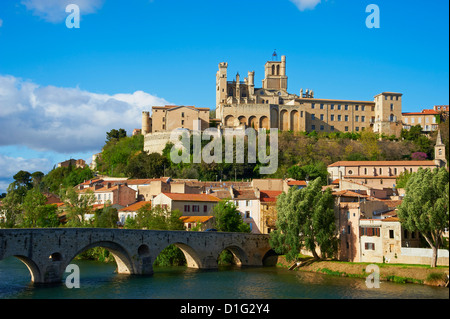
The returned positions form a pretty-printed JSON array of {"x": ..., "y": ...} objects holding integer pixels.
[{"x": 99, "y": 281}]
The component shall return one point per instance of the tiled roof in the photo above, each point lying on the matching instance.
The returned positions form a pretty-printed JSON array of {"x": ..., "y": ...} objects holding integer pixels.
[
  {"x": 424, "y": 112},
  {"x": 192, "y": 197},
  {"x": 269, "y": 196},
  {"x": 348, "y": 193},
  {"x": 299, "y": 183},
  {"x": 135, "y": 206},
  {"x": 195, "y": 219},
  {"x": 382, "y": 163}
]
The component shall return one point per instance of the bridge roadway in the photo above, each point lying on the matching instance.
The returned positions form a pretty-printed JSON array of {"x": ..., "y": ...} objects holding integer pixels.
[{"x": 48, "y": 251}]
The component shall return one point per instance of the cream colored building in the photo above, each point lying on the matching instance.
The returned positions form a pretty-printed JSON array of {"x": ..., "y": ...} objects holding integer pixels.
[
  {"x": 240, "y": 103},
  {"x": 427, "y": 119},
  {"x": 187, "y": 204}
]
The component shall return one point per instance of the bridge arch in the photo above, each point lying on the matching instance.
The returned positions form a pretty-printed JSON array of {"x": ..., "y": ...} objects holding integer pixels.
[
  {"x": 193, "y": 259},
  {"x": 123, "y": 260},
  {"x": 239, "y": 254},
  {"x": 32, "y": 267}
]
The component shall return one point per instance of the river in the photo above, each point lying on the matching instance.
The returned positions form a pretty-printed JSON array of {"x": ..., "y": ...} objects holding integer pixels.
[{"x": 99, "y": 281}]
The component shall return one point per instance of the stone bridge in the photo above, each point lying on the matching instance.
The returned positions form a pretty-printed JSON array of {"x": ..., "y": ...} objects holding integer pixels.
[{"x": 48, "y": 251}]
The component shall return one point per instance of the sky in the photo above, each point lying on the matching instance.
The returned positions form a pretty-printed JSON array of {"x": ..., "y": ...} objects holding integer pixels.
[{"x": 62, "y": 89}]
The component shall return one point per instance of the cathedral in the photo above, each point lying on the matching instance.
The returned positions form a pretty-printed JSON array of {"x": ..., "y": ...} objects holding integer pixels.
[{"x": 241, "y": 104}]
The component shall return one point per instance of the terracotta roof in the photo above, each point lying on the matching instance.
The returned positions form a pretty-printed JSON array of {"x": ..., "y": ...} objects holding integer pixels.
[
  {"x": 141, "y": 181},
  {"x": 347, "y": 193},
  {"x": 244, "y": 194},
  {"x": 299, "y": 183},
  {"x": 135, "y": 206},
  {"x": 382, "y": 163},
  {"x": 192, "y": 197},
  {"x": 195, "y": 219},
  {"x": 424, "y": 112},
  {"x": 392, "y": 203},
  {"x": 390, "y": 219},
  {"x": 269, "y": 196}
]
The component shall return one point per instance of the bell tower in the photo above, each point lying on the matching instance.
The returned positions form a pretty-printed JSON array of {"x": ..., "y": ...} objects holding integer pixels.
[
  {"x": 439, "y": 152},
  {"x": 275, "y": 75}
]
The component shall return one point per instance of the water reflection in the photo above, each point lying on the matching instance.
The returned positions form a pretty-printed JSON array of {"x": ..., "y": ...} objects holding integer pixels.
[{"x": 98, "y": 280}]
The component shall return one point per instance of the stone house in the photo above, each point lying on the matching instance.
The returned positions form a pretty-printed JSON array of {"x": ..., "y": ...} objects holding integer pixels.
[{"x": 187, "y": 204}]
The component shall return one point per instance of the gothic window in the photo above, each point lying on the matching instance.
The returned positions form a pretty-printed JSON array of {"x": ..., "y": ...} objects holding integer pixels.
[
  {"x": 278, "y": 69},
  {"x": 273, "y": 69}
]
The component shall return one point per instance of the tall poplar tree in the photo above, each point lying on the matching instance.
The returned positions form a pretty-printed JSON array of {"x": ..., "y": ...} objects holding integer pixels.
[
  {"x": 425, "y": 206},
  {"x": 305, "y": 219}
]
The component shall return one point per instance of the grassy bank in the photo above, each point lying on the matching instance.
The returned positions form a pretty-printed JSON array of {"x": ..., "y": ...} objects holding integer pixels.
[{"x": 400, "y": 273}]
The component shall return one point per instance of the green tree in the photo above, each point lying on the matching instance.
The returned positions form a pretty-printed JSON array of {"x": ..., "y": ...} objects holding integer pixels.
[
  {"x": 144, "y": 165},
  {"x": 402, "y": 179},
  {"x": 115, "y": 134},
  {"x": 77, "y": 206},
  {"x": 106, "y": 217},
  {"x": 228, "y": 218},
  {"x": 305, "y": 220},
  {"x": 32, "y": 204},
  {"x": 425, "y": 207},
  {"x": 309, "y": 172}
]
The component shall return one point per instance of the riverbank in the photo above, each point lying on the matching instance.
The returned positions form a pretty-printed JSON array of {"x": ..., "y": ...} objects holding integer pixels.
[{"x": 400, "y": 273}]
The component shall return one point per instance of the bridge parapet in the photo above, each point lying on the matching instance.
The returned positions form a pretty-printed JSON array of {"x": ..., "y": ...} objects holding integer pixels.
[{"x": 48, "y": 251}]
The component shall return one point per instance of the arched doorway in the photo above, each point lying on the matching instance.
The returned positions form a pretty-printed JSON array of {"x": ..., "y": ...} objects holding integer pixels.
[
  {"x": 295, "y": 121},
  {"x": 284, "y": 120},
  {"x": 264, "y": 122},
  {"x": 274, "y": 118}
]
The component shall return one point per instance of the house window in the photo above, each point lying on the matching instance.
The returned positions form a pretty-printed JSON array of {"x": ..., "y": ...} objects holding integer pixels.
[
  {"x": 332, "y": 107},
  {"x": 346, "y": 118},
  {"x": 182, "y": 114},
  {"x": 195, "y": 208},
  {"x": 322, "y": 128},
  {"x": 332, "y": 128},
  {"x": 187, "y": 208},
  {"x": 346, "y": 128},
  {"x": 369, "y": 246},
  {"x": 321, "y": 106},
  {"x": 339, "y": 118},
  {"x": 346, "y": 107},
  {"x": 391, "y": 233},
  {"x": 247, "y": 214},
  {"x": 313, "y": 105},
  {"x": 363, "y": 118},
  {"x": 356, "y": 107},
  {"x": 205, "y": 208},
  {"x": 339, "y": 107},
  {"x": 313, "y": 127},
  {"x": 332, "y": 117},
  {"x": 313, "y": 117},
  {"x": 321, "y": 117},
  {"x": 348, "y": 229}
]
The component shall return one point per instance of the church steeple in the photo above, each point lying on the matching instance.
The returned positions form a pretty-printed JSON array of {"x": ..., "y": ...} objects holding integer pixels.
[{"x": 439, "y": 152}]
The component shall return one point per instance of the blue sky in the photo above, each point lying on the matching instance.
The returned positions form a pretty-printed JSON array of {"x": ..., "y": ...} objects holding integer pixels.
[{"x": 61, "y": 89}]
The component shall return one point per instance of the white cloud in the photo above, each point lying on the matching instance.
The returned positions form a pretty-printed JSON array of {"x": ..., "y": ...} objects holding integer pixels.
[
  {"x": 65, "y": 120},
  {"x": 303, "y": 5},
  {"x": 11, "y": 165},
  {"x": 55, "y": 10}
]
